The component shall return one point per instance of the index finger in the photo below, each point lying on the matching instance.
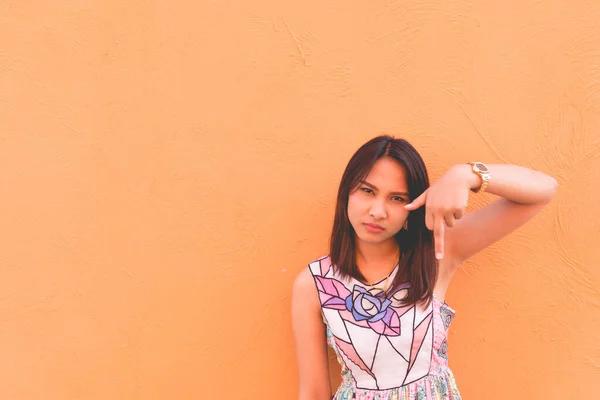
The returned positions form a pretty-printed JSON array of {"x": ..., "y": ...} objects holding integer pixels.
[
  {"x": 418, "y": 202},
  {"x": 438, "y": 235}
]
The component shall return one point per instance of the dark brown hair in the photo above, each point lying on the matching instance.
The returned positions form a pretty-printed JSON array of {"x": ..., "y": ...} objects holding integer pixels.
[{"x": 417, "y": 260}]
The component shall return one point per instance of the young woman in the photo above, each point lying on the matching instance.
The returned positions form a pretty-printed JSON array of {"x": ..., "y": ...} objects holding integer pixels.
[{"x": 378, "y": 298}]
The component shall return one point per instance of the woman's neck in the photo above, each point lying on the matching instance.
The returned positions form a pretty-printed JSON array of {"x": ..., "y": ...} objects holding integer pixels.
[{"x": 376, "y": 260}]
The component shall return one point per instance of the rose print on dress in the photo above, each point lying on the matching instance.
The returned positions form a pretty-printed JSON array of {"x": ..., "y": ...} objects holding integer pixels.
[
  {"x": 374, "y": 308},
  {"x": 369, "y": 309}
]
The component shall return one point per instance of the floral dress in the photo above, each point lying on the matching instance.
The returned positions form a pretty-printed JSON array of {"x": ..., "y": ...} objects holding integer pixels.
[{"x": 387, "y": 350}]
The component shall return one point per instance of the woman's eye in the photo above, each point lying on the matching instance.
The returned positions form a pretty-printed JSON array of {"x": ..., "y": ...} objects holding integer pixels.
[
  {"x": 396, "y": 198},
  {"x": 366, "y": 190}
]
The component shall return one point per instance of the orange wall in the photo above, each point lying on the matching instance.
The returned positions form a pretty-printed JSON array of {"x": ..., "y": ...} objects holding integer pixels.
[{"x": 168, "y": 167}]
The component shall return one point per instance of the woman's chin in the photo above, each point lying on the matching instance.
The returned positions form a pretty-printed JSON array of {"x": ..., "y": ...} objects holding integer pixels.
[{"x": 373, "y": 238}]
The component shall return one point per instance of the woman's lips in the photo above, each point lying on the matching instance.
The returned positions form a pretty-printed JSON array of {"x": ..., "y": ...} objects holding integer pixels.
[{"x": 374, "y": 228}]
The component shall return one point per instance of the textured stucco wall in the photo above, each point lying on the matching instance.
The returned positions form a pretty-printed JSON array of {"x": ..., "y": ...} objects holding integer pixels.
[{"x": 167, "y": 168}]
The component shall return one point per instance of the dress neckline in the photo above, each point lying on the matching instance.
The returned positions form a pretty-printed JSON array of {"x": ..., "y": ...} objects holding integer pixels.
[{"x": 391, "y": 275}]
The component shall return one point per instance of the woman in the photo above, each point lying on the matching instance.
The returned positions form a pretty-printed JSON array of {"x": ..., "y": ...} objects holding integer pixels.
[{"x": 378, "y": 298}]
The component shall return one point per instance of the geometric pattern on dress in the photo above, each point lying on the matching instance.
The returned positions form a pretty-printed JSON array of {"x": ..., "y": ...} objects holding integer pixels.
[
  {"x": 390, "y": 344},
  {"x": 443, "y": 350},
  {"x": 447, "y": 315}
]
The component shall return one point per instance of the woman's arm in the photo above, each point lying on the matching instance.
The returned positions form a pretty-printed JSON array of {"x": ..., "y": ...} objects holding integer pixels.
[
  {"x": 523, "y": 192},
  {"x": 515, "y": 183},
  {"x": 310, "y": 337}
]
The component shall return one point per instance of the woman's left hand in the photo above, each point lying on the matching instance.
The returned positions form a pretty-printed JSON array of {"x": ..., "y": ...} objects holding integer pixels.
[{"x": 445, "y": 202}]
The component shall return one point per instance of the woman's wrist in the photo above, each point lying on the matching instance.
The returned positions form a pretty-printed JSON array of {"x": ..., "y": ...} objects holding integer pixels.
[{"x": 464, "y": 173}]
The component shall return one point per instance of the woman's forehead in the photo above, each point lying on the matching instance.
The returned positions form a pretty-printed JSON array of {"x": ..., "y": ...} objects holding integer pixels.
[{"x": 387, "y": 174}]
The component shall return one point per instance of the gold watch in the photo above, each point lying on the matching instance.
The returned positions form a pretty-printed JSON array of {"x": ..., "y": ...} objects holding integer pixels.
[{"x": 480, "y": 169}]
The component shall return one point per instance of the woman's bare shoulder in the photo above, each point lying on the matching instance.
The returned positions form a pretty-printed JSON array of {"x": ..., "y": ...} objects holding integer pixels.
[{"x": 304, "y": 285}]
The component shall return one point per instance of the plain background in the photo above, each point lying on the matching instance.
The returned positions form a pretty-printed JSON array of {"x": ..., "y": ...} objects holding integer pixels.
[{"x": 167, "y": 168}]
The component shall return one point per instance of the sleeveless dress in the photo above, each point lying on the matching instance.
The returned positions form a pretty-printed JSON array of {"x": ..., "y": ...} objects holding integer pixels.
[{"x": 387, "y": 350}]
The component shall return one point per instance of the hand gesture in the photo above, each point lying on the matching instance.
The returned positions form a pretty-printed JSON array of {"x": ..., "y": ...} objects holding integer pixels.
[{"x": 445, "y": 202}]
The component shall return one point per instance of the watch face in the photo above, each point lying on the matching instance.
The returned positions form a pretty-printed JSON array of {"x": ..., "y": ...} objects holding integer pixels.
[{"x": 481, "y": 167}]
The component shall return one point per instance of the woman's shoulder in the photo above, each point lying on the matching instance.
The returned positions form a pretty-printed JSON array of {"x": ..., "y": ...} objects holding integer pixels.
[{"x": 304, "y": 283}]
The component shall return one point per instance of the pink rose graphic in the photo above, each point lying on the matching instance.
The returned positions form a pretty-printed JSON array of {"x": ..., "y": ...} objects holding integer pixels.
[{"x": 361, "y": 307}]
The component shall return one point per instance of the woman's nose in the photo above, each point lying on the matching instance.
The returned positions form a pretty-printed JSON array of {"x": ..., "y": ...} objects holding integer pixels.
[{"x": 377, "y": 210}]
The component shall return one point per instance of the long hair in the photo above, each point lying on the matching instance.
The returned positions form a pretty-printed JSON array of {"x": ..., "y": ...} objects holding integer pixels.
[{"x": 417, "y": 257}]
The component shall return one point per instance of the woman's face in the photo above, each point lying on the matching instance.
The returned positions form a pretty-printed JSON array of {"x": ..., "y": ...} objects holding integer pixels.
[{"x": 376, "y": 206}]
